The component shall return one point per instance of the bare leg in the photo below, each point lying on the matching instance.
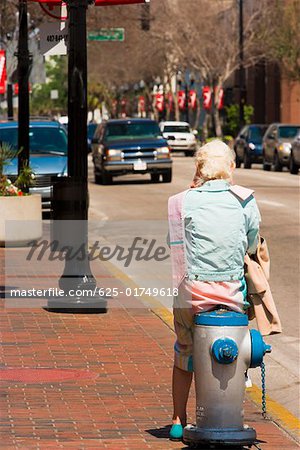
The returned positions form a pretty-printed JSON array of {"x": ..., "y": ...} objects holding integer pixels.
[{"x": 180, "y": 390}]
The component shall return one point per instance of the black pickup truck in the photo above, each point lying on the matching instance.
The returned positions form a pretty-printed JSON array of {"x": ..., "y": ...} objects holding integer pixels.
[{"x": 123, "y": 146}]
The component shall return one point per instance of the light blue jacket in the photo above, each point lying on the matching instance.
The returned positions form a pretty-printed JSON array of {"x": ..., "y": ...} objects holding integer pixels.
[{"x": 220, "y": 227}]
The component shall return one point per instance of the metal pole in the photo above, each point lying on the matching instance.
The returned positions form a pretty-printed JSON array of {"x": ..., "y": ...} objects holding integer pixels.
[
  {"x": 241, "y": 68},
  {"x": 23, "y": 79},
  {"x": 72, "y": 193},
  {"x": 10, "y": 108}
]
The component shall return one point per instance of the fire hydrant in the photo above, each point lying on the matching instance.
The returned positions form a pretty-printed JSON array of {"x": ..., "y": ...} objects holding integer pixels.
[{"x": 224, "y": 349}]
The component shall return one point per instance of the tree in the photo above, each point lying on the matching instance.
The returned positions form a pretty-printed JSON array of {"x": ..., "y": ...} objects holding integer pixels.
[
  {"x": 283, "y": 40},
  {"x": 209, "y": 44},
  {"x": 57, "y": 79}
]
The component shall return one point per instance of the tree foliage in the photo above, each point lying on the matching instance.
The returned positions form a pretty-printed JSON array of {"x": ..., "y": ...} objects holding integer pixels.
[
  {"x": 57, "y": 79},
  {"x": 284, "y": 36}
]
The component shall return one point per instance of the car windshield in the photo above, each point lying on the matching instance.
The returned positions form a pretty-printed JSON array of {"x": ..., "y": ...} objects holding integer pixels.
[
  {"x": 91, "y": 130},
  {"x": 256, "y": 134},
  {"x": 42, "y": 139},
  {"x": 176, "y": 129},
  {"x": 288, "y": 132},
  {"x": 132, "y": 130}
]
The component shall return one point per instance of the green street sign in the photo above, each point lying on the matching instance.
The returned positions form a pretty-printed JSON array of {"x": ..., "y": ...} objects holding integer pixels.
[{"x": 107, "y": 34}]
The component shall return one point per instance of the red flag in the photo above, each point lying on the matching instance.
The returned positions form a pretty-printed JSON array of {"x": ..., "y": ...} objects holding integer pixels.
[
  {"x": 3, "y": 75},
  {"x": 193, "y": 99},
  {"x": 207, "y": 100},
  {"x": 181, "y": 100},
  {"x": 220, "y": 100},
  {"x": 159, "y": 102},
  {"x": 141, "y": 104}
]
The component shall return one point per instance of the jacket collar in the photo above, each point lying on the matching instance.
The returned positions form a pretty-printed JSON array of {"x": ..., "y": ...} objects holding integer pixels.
[{"x": 214, "y": 186}]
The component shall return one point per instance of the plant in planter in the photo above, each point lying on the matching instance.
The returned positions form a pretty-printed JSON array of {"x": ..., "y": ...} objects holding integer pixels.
[{"x": 20, "y": 212}]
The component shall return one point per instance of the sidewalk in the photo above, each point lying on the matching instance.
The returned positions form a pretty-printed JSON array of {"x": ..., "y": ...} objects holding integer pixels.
[{"x": 108, "y": 385}]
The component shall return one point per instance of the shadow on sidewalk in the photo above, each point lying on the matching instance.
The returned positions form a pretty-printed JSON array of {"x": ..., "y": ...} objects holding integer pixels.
[{"x": 163, "y": 433}]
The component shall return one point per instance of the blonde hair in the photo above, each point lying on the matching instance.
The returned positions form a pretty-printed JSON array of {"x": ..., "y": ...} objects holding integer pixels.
[{"x": 214, "y": 161}]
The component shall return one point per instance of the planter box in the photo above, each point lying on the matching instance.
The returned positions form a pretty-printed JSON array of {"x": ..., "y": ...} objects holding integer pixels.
[{"x": 20, "y": 220}]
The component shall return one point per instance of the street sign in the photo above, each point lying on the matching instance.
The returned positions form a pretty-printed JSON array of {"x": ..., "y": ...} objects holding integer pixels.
[
  {"x": 54, "y": 38},
  {"x": 107, "y": 34}
]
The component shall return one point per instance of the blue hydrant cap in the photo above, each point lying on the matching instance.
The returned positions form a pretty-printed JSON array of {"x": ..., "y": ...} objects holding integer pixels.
[
  {"x": 225, "y": 350},
  {"x": 258, "y": 348},
  {"x": 221, "y": 318}
]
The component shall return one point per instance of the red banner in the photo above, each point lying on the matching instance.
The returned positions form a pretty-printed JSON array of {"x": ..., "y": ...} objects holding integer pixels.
[
  {"x": 220, "y": 100},
  {"x": 207, "y": 97},
  {"x": 193, "y": 99},
  {"x": 3, "y": 74},
  {"x": 159, "y": 102},
  {"x": 141, "y": 104},
  {"x": 181, "y": 100}
]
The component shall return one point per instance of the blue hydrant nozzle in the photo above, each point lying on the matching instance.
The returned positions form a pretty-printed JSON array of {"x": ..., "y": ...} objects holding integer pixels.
[
  {"x": 224, "y": 350},
  {"x": 258, "y": 348}
]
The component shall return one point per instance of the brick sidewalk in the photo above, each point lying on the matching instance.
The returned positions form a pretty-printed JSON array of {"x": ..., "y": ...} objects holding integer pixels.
[{"x": 118, "y": 393}]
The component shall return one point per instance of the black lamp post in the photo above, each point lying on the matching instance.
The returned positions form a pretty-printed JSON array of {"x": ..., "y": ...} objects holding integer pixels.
[
  {"x": 242, "y": 93},
  {"x": 23, "y": 80},
  {"x": 71, "y": 195}
]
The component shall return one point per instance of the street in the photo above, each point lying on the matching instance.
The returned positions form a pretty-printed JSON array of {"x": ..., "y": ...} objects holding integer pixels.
[{"x": 133, "y": 207}]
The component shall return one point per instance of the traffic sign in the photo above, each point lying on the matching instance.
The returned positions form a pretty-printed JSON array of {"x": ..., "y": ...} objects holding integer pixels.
[{"x": 107, "y": 34}]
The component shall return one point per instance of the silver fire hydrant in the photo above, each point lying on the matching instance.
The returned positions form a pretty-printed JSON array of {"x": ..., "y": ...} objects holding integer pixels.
[{"x": 224, "y": 348}]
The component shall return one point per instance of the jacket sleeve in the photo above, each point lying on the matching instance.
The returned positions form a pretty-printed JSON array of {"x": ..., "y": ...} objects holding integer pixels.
[{"x": 253, "y": 219}]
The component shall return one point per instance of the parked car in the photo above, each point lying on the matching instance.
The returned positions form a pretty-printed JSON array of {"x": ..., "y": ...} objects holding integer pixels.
[
  {"x": 277, "y": 143},
  {"x": 180, "y": 137},
  {"x": 122, "y": 146},
  {"x": 91, "y": 128},
  {"x": 248, "y": 145},
  {"x": 294, "y": 162},
  {"x": 48, "y": 154}
]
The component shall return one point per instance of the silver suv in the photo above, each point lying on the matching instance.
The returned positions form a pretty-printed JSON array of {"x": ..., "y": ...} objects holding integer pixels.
[{"x": 277, "y": 145}]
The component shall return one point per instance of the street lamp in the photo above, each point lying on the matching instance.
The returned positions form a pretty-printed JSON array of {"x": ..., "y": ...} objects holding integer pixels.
[{"x": 241, "y": 66}]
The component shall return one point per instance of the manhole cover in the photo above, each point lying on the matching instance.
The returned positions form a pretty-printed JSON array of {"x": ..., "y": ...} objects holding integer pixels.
[{"x": 44, "y": 375}]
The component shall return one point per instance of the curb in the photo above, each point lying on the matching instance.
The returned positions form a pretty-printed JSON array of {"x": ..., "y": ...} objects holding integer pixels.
[{"x": 278, "y": 413}]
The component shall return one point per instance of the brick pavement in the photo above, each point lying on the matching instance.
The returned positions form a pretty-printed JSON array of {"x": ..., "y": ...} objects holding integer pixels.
[{"x": 121, "y": 397}]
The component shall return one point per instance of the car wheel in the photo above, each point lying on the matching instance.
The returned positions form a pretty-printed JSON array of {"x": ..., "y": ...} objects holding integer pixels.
[
  {"x": 266, "y": 166},
  {"x": 155, "y": 177},
  {"x": 247, "y": 160},
  {"x": 293, "y": 166},
  {"x": 167, "y": 176},
  {"x": 97, "y": 178},
  {"x": 106, "y": 178},
  {"x": 277, "y": 163}
]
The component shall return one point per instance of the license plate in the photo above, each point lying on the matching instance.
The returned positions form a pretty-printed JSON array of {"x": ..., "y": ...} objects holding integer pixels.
[{"x": 139, "y": 165}]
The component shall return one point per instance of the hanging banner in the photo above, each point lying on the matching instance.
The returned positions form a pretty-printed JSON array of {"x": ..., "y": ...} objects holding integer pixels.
[
  {"x": 220, "y": 99},
  {"x": 207, "y": 97},
  {"x": 193, "y": 99},
  {"x": 3, "y": 75},
  {"x": 159, "y": 102},
  {"x": 141, "y": 104},
  {"x": 181, "y": 100}
]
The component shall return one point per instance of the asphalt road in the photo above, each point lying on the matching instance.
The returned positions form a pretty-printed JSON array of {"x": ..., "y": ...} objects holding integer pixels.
[{"x": 133, "y": 206}]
